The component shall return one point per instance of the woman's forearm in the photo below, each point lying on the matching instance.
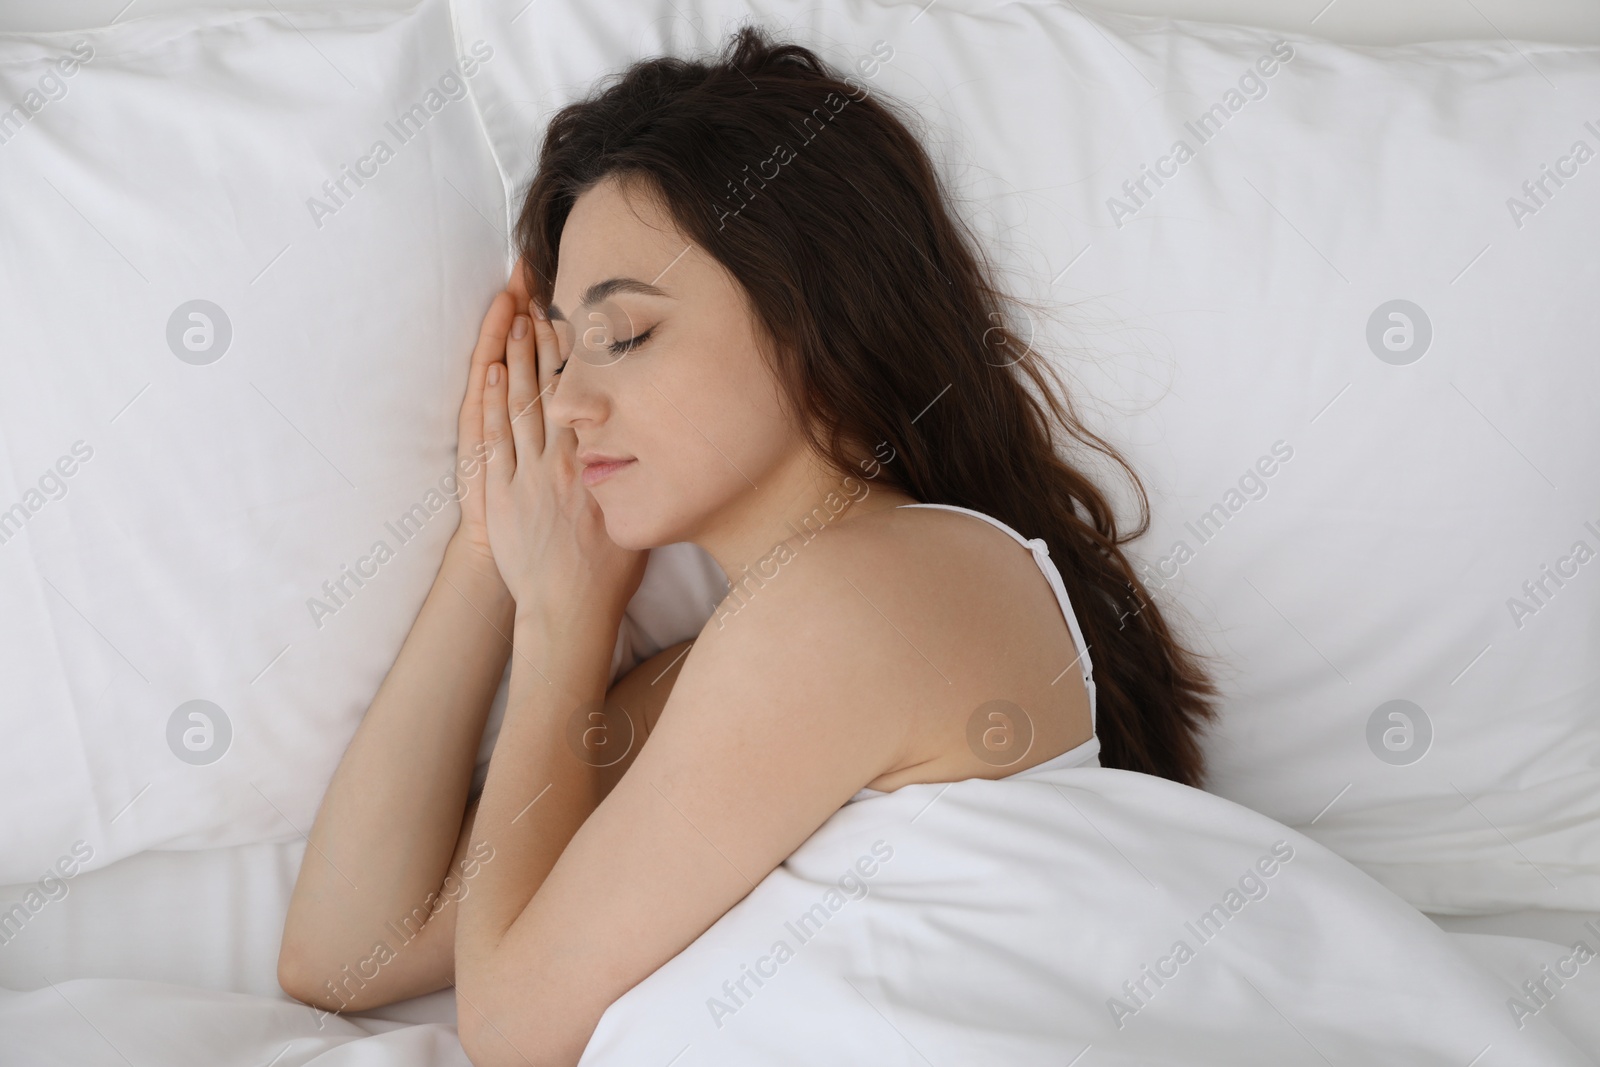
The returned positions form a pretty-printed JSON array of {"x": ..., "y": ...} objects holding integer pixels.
[
  {"x": 391, "y": 819},
  {"x": 538, "y": 793}
]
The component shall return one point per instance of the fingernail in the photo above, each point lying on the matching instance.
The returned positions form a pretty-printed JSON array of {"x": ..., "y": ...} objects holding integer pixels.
[
  {"x": 539, "y": 311},
  {"x": 519, "y": 327},
  {"x": 494, "y": 374}
]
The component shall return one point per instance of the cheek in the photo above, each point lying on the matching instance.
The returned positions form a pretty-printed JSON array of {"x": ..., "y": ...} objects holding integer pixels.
[
  {"x": 733, "y": 422},
  {"x": 707, "y": 427}
]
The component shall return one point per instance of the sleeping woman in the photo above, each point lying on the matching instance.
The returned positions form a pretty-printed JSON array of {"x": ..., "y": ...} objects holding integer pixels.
[{"x": 745, "y": 316}]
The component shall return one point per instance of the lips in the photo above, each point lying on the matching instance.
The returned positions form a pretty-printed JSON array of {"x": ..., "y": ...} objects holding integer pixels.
[{"x": 597, "y": 469}]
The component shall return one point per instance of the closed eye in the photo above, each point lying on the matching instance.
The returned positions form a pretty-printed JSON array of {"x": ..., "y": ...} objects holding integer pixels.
[{"x": 619, "y": 348}]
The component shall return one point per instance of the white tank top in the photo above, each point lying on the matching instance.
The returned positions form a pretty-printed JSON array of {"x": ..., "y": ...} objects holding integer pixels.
[{"x": 1088, "y": 753}]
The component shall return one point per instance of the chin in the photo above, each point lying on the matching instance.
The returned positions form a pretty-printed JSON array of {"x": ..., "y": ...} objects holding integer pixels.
[
  {"x": 648, "y": 519},
  {"x": 628, "y": 529}
]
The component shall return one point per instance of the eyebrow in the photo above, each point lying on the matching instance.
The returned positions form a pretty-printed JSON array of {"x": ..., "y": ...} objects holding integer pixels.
[{"x": 600, "y": 290}]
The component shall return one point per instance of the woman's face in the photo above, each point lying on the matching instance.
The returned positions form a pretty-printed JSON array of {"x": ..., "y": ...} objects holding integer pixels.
[{"x": 692, "y": 403}]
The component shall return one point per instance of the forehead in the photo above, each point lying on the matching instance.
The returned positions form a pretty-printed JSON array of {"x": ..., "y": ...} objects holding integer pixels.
[{"x": 617, "y": 231}]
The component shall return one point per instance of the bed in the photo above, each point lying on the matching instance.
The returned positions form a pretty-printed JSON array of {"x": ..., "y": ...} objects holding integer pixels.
[{"x": 1347, "y": 335}]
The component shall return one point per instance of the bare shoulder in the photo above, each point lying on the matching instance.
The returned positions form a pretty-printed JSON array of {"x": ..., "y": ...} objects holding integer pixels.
[
  {"x": 902, "y": 558},
  {"x": 960, "y": 616},
  {"x": 899, "y": 625},
  {"x": 956, "y": 579},
  {"x": 810, "y": 605}
]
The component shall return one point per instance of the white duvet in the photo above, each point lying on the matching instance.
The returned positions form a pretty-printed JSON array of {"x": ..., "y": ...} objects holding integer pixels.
[{"x": 1083, "y": 916}]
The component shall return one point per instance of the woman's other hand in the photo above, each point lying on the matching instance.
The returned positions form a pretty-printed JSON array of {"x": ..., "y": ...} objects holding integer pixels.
[
  {"x": 472, "y": 534},
  {"x": 548, "y": 533}
]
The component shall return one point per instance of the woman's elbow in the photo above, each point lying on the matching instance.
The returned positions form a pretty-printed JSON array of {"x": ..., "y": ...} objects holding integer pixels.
[
  {"x": 505, "y": 1037},
  {"x": 297, "y": 977},
  {"x": 297, "y": 963},
  {"x": 487, "y": 1045}
]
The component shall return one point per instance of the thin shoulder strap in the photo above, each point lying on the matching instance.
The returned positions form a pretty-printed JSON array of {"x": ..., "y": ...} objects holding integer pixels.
[{"x": 1041, "y": 556}]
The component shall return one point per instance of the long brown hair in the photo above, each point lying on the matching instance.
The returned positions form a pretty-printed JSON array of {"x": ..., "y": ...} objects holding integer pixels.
[{"x": 886, "y": 327}]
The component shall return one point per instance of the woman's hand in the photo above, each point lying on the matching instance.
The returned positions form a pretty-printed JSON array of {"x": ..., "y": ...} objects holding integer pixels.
[
  {"x": 472, "y": 534},
  {"x": 547, "y": 532}
]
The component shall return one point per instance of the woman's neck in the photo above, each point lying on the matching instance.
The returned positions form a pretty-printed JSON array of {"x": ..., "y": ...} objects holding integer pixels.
[{"x": 788, "y": 512}]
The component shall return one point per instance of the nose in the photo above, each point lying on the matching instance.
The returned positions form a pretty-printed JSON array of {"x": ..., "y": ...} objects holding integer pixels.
[
  {"x": 582, "y": 391},
  {"x": 577, "y": 394}
]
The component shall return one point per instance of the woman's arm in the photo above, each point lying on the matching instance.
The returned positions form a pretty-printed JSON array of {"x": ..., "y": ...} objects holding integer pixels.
[
  {"x": 362, "y": 929},
  {"x": 430, "y": 964},
  {"x": 771, "y": 726},
  {"x": 373, "y": 915},
  {"x": 642, "y": 694},
  {"x": 389, "y": 835}
]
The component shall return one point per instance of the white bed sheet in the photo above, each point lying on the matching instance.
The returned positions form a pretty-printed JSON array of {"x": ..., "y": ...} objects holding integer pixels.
[
  {"x": 209, "y": 918},
  {"x": 212, "y": 918}
]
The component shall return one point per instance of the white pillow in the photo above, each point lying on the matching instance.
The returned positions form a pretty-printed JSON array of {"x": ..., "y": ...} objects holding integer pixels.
[
  {"x": 233, "y": 342},
  {"x": 1379, "y": 508}
]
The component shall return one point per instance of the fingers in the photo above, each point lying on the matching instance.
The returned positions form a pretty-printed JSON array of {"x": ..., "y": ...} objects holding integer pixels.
[
  {"x": 502, "y": 459},
  {"x": 549, "y": 349},
  {"x": 491, "y": 344},
  {"x": 549, "y": 360},
  {"x": 527, "y": 413},
  {"x": 491, "y": 347}
]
